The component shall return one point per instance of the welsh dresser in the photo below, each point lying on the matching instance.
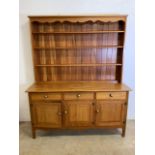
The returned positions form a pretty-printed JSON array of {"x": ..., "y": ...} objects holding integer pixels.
[{"x": 78, "y": 67}]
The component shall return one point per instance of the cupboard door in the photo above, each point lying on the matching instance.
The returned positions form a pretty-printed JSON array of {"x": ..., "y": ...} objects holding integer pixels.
[
  {"x": 47, "y": 114},
  {"x": 78, "y": 113},
  {"x": 109, "y": 113}
]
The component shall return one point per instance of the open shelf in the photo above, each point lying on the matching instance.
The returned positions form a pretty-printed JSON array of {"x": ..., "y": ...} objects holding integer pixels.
[
  {"x": 72, "y": 41},
  {"x": 80, "y": 73},
  {"x": 91, "y": 46},
  {"x": 78, "y": 51},
  {"x": 80, "y": 32},
  {"x": 80, "y": 65}
]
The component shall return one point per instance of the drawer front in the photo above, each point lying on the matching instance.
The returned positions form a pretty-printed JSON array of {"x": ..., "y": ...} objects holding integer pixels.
[
  {"x": 79, "y": 96},
  {"x": 46, "y": 96},
  {"x": 111, "y": 95}
]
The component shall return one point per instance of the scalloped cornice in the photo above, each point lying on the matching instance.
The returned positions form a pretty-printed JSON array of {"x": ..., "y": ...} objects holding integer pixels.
[{"x": 76, "y": 19}]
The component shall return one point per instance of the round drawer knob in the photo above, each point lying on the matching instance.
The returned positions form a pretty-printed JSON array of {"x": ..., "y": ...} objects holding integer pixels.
[
  {"x": 45, "y": 96},
  {"x": 78, "y": 95},
  {"x": 97, "y": 110},
  {"x": 65, "y": 112}
]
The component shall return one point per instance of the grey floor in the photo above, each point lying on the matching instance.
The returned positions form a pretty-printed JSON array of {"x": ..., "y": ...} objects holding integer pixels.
[{"x": 88, "y": 142}]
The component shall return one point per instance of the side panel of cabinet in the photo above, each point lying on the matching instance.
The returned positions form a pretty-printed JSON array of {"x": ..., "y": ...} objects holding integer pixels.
[
  {"x": 47, "y": 114},
  {"x": 109, "y": 113},
  {"x": 78, "y": 113}
]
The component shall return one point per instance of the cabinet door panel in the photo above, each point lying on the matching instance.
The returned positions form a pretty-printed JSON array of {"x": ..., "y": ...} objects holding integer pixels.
[
  {"x": 109, "y": 113},
  {"x": 78, "y": 113},
  {"x": 47, "y": 115}
]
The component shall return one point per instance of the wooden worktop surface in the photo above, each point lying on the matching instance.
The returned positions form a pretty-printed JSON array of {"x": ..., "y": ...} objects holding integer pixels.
[{"x": 76, "y": 86}]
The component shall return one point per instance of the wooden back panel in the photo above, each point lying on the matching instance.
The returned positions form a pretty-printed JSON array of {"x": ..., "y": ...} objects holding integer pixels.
[{"x": 74, "y": 50}]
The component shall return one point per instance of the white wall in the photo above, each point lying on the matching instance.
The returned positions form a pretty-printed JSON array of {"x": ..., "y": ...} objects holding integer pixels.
[{"x": 72, "y": 7}]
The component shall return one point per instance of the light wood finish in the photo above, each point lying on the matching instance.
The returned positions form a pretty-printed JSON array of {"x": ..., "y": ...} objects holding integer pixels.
[
  {"x": 78, "y": 113},
  {"x": 111, "y": 95},
  {"x": 86, "y": 86},
  {"x": 46, "y": 96},
  {"x": 78, "y": 96},
  {"x": 92, "y": 18},
  {"x": 80, "y": 32},
  {"x": 112, "y": 64},
  {"x": 78, "y": 67},
  {"x": 47, "y": 114},
  {"x": 125, "y": 116},
  {"x": 80, "y": 48},
  {"x": 109, "y": 113}
]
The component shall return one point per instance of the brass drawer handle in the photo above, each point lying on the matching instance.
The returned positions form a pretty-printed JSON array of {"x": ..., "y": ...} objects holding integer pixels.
[
  {"x": 45, "y": 96},
  {"x": 78, "y": 95},
  {"x": 110, "y": 95}
]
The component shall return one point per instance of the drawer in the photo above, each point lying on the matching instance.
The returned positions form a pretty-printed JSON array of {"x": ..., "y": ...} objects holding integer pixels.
[
  {"x": 111, "y": 95},
  {"x": 79, "y": 96},
  {"x": 46, "y": 96}
]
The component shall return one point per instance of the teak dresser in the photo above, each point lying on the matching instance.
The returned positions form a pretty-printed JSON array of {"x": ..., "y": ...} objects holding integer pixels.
[{"x": 78, "y": 64}]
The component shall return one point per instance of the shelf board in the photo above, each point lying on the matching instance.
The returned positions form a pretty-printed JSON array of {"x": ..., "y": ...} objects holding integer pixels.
[
  {"x": 55, "y": 48},
  {"x": 79, "y": 65},
  {"x": 84, "y": 32}
]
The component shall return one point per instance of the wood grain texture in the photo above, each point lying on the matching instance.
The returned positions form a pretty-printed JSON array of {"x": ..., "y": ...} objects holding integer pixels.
[
  {"x": 92, "y": 18},
  {"x": 46, "y": 96},
  {"x": 78, "y": 64},
  {"x": 47, "y": 114},
  {"x": 78, "y": 113},
  {"x": 69, "y": 49},
  {"x": 111, "y": 95},
  {"x": 109, "y": 113},
  {"x": 63, "y": 86},
  {"x": 78, "y": 96}
]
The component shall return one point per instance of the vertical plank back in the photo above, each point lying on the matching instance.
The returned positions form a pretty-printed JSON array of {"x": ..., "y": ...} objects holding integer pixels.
[{"x": 78, "y": 51}]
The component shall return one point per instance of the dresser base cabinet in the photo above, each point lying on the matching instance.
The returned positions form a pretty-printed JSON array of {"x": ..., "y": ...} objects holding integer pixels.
[{"x": 78, "y": 109}]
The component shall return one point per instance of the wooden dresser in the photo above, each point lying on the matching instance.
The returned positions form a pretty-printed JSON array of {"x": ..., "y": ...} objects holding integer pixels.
[{"x": 78, "y": 64}]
